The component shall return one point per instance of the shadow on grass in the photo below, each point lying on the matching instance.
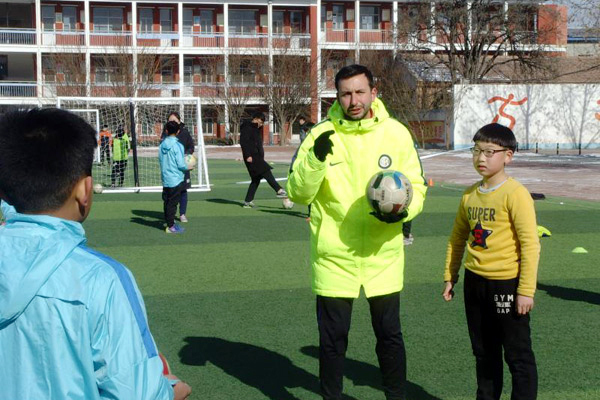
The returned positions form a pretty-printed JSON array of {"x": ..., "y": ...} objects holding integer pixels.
[
  {"x": 572, "y": 294},
  {"x": 284, "y": 212},
  {"x": 153, "y": 219},
  {"x": 226, "y": 201},
  {"x": 267, "y": 371},
  {"x": 363, "y": 374}
]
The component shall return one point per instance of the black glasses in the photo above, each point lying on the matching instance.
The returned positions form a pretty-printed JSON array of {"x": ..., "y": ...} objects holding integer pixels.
[{"x": 489, "y": 153}]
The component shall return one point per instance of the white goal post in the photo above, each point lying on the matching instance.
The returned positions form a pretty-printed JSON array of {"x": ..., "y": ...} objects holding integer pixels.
[{"x": 138, "y": 123}]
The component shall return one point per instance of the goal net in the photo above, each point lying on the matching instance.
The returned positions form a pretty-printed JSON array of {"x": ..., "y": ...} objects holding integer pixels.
[{"x": 137, "y": 124}]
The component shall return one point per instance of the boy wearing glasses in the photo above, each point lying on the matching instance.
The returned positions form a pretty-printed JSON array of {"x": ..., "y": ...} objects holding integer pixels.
[{"x": 496, "y": 224}]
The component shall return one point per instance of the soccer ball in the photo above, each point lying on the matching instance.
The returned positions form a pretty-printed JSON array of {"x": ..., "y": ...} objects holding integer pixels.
[
  {"x": 287, "y": 203},
  {"x": 98, "y": 188},
  {"x": 389, "y": 192},
  {"x": 190, "y": 161}
]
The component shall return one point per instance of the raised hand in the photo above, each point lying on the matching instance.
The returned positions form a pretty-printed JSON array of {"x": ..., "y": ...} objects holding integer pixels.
[{"x": 323, "y": 145}]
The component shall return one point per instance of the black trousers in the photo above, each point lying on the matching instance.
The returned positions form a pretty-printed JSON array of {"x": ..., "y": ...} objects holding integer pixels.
[
  {"x": 118, "y": 171},
  {"x": 333, "y": 317},
  {"x": 104, "y": 152},
  {"x": 494, "y": 325},
  {"x": 171, "y": 197},
  {"x": 268, "y": 175}
]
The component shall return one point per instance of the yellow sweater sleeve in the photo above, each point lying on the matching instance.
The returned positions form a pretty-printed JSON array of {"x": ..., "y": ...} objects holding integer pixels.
[{"x": 456, "y": 245}]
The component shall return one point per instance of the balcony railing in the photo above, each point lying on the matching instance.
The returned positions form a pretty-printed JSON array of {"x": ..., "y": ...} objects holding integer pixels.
[
  {"x": 376, "y": 36},
  {"x": 204, "y": 89},
  {"x": 203, "y": 39},
  {"x": 114, "y": 38},
  {"x": 340, "y": 36},
  {"x": 18, "y": 89},
  {"x": 55, "y": 89},
  {"x": 158, "y": 39},
  {"x": 17, "y": 35},
  {"x": 63, "y": 38},
  {"x": 257, "y": 40},
  {"x": 291, "y": 41}
]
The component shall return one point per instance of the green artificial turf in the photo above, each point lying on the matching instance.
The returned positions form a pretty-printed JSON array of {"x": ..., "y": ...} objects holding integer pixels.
[{"x": 230, "y": 305}]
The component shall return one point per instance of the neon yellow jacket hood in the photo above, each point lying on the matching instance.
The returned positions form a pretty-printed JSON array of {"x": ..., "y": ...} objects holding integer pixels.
[{"x": 349, "y": 247}]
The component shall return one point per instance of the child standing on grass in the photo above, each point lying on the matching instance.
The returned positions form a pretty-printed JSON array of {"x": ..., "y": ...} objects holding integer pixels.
[
  {"x": 172, "y": 169},
  {"x": 496, "y": 223},
  {"x": 72, "y": 321}
]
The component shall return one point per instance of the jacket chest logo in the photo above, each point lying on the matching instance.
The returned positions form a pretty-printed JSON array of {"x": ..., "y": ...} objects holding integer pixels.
[{"x": 385, "y": 161}]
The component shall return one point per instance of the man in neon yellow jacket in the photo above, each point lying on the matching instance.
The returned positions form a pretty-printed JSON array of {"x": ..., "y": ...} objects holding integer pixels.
[{"x": 350, "y": 247}]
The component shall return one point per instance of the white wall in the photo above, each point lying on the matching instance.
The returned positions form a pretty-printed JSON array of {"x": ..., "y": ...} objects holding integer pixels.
[{"x": 548, "y": 114}]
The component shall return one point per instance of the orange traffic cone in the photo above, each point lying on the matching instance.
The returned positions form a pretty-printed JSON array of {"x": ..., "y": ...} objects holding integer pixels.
[{"x": 430, "y": 182}]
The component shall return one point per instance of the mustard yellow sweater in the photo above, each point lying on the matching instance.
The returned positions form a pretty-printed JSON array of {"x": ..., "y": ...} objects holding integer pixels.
[{"x": 499, "y": 230}]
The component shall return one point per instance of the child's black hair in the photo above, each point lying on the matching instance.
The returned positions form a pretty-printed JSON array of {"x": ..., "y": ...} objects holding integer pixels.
[
  {"x": 43, "y": 154},
  {"x": 171, "y": 127},
  {"x": 259, "y": 115},
  {"x": 497, "y": 134}
]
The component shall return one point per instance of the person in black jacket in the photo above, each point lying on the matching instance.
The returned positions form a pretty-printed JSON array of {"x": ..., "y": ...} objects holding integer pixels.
[
  {"x": 254, "y": 158},
  {"x": 188, "y": 148}
]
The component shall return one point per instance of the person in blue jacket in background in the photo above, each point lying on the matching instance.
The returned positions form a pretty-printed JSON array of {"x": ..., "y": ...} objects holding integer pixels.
[
  {"x": 172, "y": 171},
  {"x": 72, "y": 321}
]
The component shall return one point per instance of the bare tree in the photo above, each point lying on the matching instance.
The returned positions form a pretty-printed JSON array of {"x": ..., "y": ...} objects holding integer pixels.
[
  {"x": 472, "y": 38},
  {"x": 287, "y": 90},
  {"x": 113, "y": 74},
  {"x": 409, "y": 88},
  {"x": 237, "y": 86}
]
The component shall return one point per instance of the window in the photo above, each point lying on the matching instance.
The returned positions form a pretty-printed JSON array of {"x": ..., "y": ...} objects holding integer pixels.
[
  {"x": 206, "y": 73},
  {"x": 208, "y": 126},
  {"x": 242, "y": 21},
  {"x": 245, "y": 73},
  {"x": 48, "y": 18},
  {"x": 206, "y": 21},
  {"x": 338, "y": 16},
  {"x": 369, "y": 17},
  {"x": 104, "y": 74},
  {"x": 188, "y": 20},
  {"x": 296, "y": 21},
  {"x": 166, "y": 71},
  {"x": 69, "y": 18},
  {"x": 166, "y": 24},
  {"x": 188, "y": 74},
  {"x": 146, "y": 20},
  {"x": 277, "y": 21},
  {"x": 323, "y": 17},
  {"x": 108, "y": 19}
]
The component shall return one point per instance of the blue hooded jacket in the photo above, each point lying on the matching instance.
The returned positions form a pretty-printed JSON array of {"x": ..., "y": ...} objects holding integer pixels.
[
  {"x": 172, "y": 162},
  {"x": 72, "y": 321}
]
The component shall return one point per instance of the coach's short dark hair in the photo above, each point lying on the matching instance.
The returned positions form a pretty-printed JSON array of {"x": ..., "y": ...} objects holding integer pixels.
[
  {"x": 172, "y": 127},
  {"x": 352, "y": 70},
  {"x": 497, "y": 134},
  {"x": 43, "y": 154}
]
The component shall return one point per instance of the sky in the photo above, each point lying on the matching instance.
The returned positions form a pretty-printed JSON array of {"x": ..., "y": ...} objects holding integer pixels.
[{"x": 582, "y": 13}]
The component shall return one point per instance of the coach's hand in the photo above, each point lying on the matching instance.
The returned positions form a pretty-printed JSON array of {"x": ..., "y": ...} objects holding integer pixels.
[
  {"x": 323, "y": 145},
  {"x": 390, "y": 218}
]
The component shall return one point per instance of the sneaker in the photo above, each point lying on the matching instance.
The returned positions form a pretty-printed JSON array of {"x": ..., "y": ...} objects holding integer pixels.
[
  {"x": 183, "y": 218},
  {"x": 175, "y": 229},
  {"x": 409, "y": 240},
  {"x": 281, "y": 193},
  {"x": 248, "y": 204}
]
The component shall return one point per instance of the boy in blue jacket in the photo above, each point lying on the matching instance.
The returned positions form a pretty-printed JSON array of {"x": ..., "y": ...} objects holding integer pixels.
[
  {"x": 72, "y": 321},
  {"x": 172, "y": 168}
]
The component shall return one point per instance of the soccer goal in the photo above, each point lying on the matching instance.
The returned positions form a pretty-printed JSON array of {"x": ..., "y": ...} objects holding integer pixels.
[{"x": 139, "y": 123}]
